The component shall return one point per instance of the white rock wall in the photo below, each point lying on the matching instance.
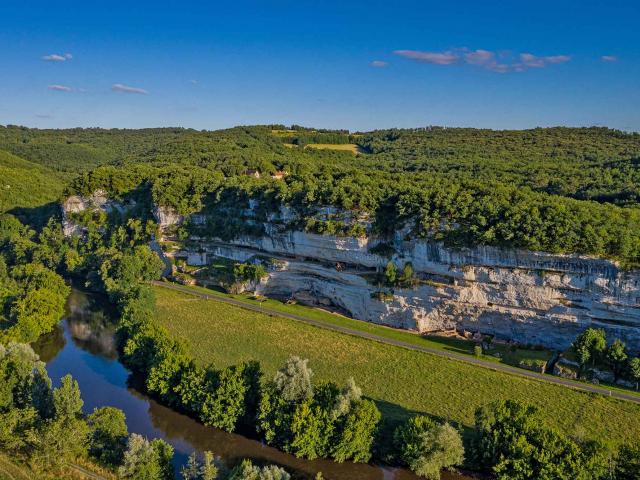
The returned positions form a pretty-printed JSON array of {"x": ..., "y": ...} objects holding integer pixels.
[{"x": 530, "y": 297}]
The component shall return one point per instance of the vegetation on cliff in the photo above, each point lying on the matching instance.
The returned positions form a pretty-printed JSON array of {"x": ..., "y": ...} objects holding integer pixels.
[{"x": 559, "y": 190}]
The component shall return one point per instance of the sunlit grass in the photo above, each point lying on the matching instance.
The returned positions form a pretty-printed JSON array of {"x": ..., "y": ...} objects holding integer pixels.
[
  {"x": 344, "y": 147},
  {"x": 401, "y": 380}
]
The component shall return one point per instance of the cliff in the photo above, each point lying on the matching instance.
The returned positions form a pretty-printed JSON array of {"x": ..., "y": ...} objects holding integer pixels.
[{"x": 528, "y": 297}]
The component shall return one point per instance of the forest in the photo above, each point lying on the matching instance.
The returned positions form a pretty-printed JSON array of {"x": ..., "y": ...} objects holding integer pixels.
[{"x": 558, "y": 190}]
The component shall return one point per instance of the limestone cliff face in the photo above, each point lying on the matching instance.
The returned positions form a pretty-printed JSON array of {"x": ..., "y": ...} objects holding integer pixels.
[
  {"x": 529, "y": 297},
  {"x": 167, "y": 216},
  {"x": 98, "y": 200}
]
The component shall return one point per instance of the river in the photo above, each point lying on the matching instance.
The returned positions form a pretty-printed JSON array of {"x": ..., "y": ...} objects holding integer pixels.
[{"x": 84, "y": 346}]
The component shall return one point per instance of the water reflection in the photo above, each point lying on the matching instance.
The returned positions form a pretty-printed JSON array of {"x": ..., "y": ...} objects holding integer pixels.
[{"x": 84, "y": 346}]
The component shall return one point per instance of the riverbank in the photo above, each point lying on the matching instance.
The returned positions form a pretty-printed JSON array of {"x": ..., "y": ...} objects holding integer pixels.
[{"x": 83, "y": 346}]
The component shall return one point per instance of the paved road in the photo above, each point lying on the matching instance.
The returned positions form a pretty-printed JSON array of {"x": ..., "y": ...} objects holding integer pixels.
[{"x": 399, "y": 343}]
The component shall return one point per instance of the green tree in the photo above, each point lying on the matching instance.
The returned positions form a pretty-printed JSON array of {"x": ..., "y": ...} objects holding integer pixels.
[
  {"x": 617, "y": 358},
  {"x": 247, "y": 471},
  {"x": 407, "y": 274},
  {"x": 141, "y": 461},
  {"x": 294, "y": 380},
  {"x": 122, "y": 272},
  {"x": 590, "y": 345},
  {"x": 390, "y": 273},
  {"x": 427, "y": 447},
  {"x": 309, "y": 431},
  {"x": 191, "y": 471},
  {"x": 170, "y": 361},
  {"x": 349, "y": 395},
  {"x": 634, "y": 370},
  {"x": 628, "y": 463},
  {"x": 355, "y": 432},
  {"x": 67, "y": 400},
  {"x": 146, "y": 460},
  {"x": 108, "y": 438},
  {"x": 513, "y": 441},
  {"x": 208, "y": 468},
  {"x": 58, "y": 441},
  {"x": 164, "y": 453},
  {"x": 223, "y": 400}
]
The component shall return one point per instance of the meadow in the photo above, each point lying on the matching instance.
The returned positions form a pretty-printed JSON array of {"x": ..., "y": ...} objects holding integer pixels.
[
  {"x": 399, "y": 380},
  {"x": 343, "y": 147}
]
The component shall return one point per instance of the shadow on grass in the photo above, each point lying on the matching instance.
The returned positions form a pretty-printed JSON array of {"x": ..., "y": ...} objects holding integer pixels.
[
  {"x": 37, "y": 217},
  {"x": 454, "y": 345},
  {"x": 393, "y": 416}
]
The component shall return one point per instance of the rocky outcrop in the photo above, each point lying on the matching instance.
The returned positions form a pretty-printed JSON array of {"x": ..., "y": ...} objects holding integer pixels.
[
  {"x": 530, "y": 297},
  {"x": 98, "y": 200},
  {"x": 167, "y": 216}
]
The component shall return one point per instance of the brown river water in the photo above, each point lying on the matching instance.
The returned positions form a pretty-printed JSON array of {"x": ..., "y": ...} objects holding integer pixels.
[{"x": 84, "y": 346}]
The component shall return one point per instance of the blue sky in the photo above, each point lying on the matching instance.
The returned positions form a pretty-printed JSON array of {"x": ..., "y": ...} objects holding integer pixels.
[{"x": 335, "y": 64}]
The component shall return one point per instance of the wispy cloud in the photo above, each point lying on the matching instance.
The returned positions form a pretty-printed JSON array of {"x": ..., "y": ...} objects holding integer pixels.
[
  {"x": 609, "y": 58},
  {"x": 193, "y": 82},
  {"x": 496, "y": 62},
  {"x": 532, "y": 61},
  {"x": 60, "y": 88},
  {"x": 437, "y": 58},
  {"x": 379, "y": 64},
  {"x": 119, "y": 87},
  {"x": 54, "y": 57}
]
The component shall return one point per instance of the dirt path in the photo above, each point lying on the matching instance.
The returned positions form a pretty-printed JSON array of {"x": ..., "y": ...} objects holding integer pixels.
[{"x": 398, "y": 343}]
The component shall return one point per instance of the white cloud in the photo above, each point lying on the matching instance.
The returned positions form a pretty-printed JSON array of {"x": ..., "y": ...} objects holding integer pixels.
[
  {"x": 119, "y": 87},
  {"x": 60, "y": 88},
  {"x": 379, "y": 64},
  {"x": 54, "y": 57},
  {"x": 437, "y": 58},
  {"x": 485, "y": 59},
  {"x": 609, "y": 58}
]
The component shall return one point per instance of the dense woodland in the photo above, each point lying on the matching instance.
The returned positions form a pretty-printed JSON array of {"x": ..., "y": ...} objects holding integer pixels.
[
  {"x": 558, "y": 189},
  {"x": 540, "y": 189}
]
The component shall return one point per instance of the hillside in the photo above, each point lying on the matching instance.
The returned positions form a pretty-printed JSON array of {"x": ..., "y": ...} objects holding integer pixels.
[
  {"x": 557, "y": 190},
  {"x": 584, "y": 163},
  {"x": 26, "y": 184}
]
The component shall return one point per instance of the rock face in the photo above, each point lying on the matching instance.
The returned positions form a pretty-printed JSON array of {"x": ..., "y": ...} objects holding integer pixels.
[
  {"x": 98, "y": 200},
  {"x": 166, "y": 216},
  {"x": 528, "y": 297}
]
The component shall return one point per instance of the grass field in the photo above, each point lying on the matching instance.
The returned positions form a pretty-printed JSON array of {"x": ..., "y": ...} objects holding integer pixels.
[
  {"x": 13, "y": 471},
  {"x": 446, "y": 344},
  {"x": 344, "y": 147},
  {"x": 400, "y": 380}
]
